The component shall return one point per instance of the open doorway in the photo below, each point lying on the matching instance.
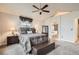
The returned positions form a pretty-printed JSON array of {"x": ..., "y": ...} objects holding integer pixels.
[{"x": 55, "y": 32}]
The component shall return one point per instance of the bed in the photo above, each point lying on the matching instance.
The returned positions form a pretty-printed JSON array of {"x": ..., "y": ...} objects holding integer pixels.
[
  {"x": 35, "y": 38},
  {"x": 24, "y": 47}
]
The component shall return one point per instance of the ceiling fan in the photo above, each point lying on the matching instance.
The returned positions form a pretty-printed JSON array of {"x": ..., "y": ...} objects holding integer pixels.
[{"x": 41, "y": 9}]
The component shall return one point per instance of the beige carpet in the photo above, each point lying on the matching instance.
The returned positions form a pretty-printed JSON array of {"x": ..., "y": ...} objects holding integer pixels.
[
  {"x": 15, "y": 49},
  {"x": 62, "y": 48},
  {"x": 65, "y": 48}
]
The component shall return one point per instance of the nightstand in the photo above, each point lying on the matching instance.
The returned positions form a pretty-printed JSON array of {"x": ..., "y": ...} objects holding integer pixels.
[{"x": 12, "y": 40}]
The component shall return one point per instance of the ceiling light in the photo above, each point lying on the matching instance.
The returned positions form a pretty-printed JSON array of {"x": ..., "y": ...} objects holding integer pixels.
[{"x": 61, "y": 13}]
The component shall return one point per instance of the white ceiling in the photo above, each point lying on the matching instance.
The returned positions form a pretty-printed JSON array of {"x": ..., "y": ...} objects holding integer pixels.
[{"x": 26, "y": 9}]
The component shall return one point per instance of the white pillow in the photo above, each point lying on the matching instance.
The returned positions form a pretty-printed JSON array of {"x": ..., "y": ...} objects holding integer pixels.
[{"x": 29, "y": 32}]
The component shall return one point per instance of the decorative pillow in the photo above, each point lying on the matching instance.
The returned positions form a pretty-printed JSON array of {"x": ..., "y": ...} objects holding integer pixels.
[{"x": 29, "y": 32}]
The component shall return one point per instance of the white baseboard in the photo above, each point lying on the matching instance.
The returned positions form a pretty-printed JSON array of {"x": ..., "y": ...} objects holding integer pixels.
[{"x": 66, "y": 40}]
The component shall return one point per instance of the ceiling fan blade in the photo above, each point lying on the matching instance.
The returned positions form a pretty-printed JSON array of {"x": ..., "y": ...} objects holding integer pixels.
[
  {"x": 46, "y": 11},
  {"x": 35, "y": 7},
  {"x": 35, "y": 11},
  {"x": 44, "y": 7}
]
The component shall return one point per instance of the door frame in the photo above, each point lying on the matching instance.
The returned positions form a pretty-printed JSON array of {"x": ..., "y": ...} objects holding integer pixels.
[{"x": 76, "y": 30}]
